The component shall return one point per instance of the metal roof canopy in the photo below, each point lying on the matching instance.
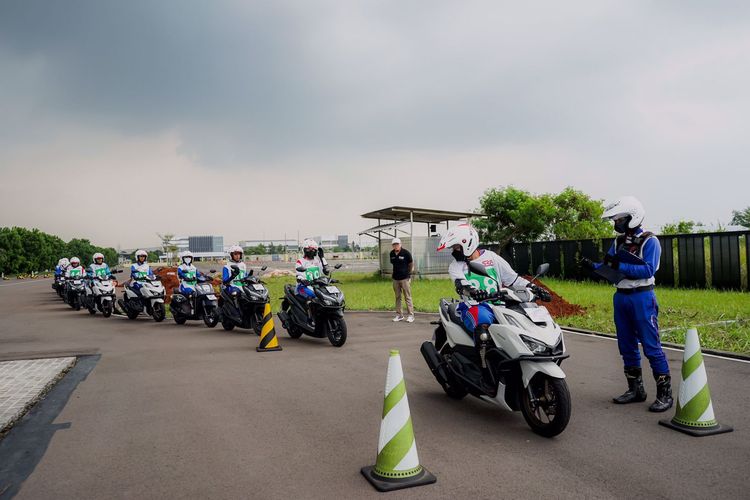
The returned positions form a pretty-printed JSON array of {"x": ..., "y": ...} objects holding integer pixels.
[{"x": 424, "y": 215}]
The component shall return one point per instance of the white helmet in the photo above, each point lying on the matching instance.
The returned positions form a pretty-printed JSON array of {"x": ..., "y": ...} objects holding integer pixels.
[
  {"x": 624, "y": 207},
  {"x": 235, "y": 249},
  {"x": 185, "y": 255},
  {"x": 75, "y": 260},
  {"x": 64, "y": 262},
  {"x": 98, "y": 255},
  {"x": 310, "y": 243},
  {"x": 463, "y": 235},
  {"x": 141, "y": 253}
]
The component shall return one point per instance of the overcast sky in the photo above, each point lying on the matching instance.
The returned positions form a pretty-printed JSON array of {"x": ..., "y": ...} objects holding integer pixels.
[{"x": 256, "y": 119}]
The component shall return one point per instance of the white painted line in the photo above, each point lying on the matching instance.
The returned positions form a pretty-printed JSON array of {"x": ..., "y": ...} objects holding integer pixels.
[
  {"x": 28, "y": 282},
  {"x": 663, "y": 347},
  {"x": 725, "y": 322}
]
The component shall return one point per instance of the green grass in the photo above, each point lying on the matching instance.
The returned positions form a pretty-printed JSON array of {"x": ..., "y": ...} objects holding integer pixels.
[{"x": 679, "y": 309}]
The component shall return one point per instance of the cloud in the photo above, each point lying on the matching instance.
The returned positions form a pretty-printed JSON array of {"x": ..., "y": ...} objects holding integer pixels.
[{"x": 443, "y": 99}]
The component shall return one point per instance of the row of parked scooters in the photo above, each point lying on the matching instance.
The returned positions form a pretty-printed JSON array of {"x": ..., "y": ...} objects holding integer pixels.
[{"x": 319, "y": 317}]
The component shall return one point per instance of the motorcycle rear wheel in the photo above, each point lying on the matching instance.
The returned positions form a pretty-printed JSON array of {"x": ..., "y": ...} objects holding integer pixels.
[
  {"x": 336, "y": 331},
  {"x": 548, "y": 411}
]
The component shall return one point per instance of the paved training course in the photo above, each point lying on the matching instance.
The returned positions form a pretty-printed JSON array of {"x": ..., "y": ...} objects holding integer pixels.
[{"x": 186, "y": 411}]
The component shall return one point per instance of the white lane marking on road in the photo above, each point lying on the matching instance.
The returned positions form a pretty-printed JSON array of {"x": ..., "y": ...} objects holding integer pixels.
[
  {"x": 663, "y": 347},
  {"x": 30, "y": 282}
]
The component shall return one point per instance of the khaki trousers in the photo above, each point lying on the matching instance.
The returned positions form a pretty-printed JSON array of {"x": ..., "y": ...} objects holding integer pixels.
[{"x": 399, "y": 287}]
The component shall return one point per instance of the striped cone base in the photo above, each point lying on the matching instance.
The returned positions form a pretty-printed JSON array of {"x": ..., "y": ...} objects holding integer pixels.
[
  {"x": 695, "y": 412},
  {"x": 268, "y": 339},
  {"x": 397, "y": 465}
]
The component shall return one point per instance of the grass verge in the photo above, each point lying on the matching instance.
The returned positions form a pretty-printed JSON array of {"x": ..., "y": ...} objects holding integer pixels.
[{"x": 679, "y": 309}]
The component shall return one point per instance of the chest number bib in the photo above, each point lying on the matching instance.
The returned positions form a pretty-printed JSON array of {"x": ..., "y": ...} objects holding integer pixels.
[
  {"x": 485, "y": 283},
  {"x": 75, "y": 272},
  {"x": 237, "y": 281},
  {"x": 312, "y": 273},
  {"x": 101, "y": 272},
  {"x": 189, "y": 277}
]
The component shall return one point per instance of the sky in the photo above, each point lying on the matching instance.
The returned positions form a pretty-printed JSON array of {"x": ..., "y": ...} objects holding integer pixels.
[{"x": 254, "y": 120}]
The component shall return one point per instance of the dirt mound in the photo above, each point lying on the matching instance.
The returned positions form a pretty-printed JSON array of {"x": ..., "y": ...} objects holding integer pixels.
[{"x": 559, "y": 307}]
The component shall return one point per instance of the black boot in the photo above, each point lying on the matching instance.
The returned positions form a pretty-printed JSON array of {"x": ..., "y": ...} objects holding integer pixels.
[
  {"x": 636, "y": 393},
  {"x": 664, "y": 399}
]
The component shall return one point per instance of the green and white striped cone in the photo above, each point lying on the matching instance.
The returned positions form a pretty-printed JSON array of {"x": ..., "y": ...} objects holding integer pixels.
[
  {"x": 397, "y": 465},
  {"x": 695, "y": 413}
]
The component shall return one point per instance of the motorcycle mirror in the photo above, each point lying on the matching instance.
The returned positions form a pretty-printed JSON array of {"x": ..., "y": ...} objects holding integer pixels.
[
  {"x": 250, "y": 273},
  {"x": 476, "y": 267},
  {"x": 264, "y": 268},
  {"x": 337, "y": 266},
  {"x": 212, "y": 270},
  {"x": 300, "y": 269},
  {"x": 235, "y": 267},
  {"x": 542, "y": 269}
]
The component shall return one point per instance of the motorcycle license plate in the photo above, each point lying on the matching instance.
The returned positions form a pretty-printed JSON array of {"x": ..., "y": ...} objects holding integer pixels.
[
  {"x": 539, "y": 315},
  {"x": 258, "y": 287},
  {"x": 211, "y": 297},
  {"x": 332, "y": 289}
]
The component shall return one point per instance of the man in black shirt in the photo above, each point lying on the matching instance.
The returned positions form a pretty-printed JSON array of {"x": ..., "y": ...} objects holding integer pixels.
[{"x": 403, "y": 267}]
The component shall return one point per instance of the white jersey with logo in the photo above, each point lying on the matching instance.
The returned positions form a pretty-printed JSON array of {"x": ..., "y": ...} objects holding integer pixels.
[
  {"x": 75, "y": 272},
  {"x": 313, "y": 268},
  {"x": 237, "y": 280},
  {"x": 497, "y": 268}
]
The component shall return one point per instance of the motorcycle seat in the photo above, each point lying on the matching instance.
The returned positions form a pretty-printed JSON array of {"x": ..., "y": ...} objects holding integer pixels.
[{"x": 451, "y": 311}]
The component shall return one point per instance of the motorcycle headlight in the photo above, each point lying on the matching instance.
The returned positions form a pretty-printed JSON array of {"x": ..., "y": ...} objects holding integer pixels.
[{"x": 535, "y": 346}]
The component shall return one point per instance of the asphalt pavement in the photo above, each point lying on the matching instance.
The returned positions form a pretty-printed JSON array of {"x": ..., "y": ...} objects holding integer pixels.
[{"x": 167, "y": 411}]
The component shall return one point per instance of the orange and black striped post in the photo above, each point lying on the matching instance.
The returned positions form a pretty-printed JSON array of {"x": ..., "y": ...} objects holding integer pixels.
[{"x": 268, "y": 339}]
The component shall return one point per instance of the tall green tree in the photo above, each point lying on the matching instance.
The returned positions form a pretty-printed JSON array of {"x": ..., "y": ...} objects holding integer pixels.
[
  {"x": 515, "y": 215},
  {"x": 741, "y": 218}
]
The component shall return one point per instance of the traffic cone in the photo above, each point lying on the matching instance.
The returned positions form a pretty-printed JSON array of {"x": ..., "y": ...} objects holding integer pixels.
[
  {"x": 397, "y": 465},
  {"x": 268, "y": 340},
  {"x": 695, "y": 413}
]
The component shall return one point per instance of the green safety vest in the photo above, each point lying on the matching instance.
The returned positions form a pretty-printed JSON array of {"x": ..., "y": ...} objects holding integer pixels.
[
  {"x": 237, "y": 281},
  {"x": 189, "y": 277}
]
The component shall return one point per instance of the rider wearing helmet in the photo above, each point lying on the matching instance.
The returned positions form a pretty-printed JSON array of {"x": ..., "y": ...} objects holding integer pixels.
[
  {"x": 140, "y": 269},
  {"x": 62, "y": 266},
  {"x": 75, "y": 270},
  {"x": 187, "y": 273},
  {"x": 635, "y": 254},
  {"x": 98, "y": 267},
  {"x": 309, "y": 267},
  {"x": 476, "y": 314},
  {"x": 231, "y": 278}
]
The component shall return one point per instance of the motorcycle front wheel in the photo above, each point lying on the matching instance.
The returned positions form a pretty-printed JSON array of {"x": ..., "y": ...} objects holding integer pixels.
[
  {"x": 336, "y": 331},
  {"x": 546, "y": 405},
  {"x": 159, "y": 312},
  {"x": 107, "y": 310},
  {"x": 210, "y": 316}
]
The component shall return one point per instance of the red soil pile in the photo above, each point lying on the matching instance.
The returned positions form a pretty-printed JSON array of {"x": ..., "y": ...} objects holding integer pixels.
[{"x": 559, "y": 307}]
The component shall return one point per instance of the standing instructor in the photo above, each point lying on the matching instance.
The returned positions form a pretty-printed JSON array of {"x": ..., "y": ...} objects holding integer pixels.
[{"x": 403, "y": 267}]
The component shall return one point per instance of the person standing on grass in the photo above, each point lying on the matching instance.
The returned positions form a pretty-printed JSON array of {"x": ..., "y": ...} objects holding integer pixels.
[
  {"x": 635, "y": 256},
  {"x": 403, "y": 268}
]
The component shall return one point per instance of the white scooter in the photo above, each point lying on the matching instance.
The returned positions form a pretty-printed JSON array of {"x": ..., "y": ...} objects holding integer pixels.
[
  {"x": 149, "y": 296},
  {"x": 100, "y": 294},
  {"x": 522, "y": 357}
]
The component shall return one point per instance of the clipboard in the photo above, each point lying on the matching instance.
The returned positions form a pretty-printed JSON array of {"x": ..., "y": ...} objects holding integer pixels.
[
  {"x": 612, "y": 275},
  {"x": 629, "y": 258}
]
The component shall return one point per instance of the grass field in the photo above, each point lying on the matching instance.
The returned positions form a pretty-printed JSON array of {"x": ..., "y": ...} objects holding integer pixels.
[{"x": 679, "y": 309}]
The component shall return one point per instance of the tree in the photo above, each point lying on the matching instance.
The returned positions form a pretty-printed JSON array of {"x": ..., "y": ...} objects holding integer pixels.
[
  {"x": 167, "y": 245},
  {"x": 577, "y": 217},
  {"x": 512, "y": 215},
  {"x": 741, "y": 218},
  {"x": 680, "y": 227},
  {"x": 259, "y": 249},
  {"x": 515, "y": 215}
]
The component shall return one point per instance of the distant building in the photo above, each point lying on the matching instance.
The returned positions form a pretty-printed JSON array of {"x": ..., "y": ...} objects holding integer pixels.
[
  {"x": 202, "y": 247},
  {"x": 341, "y": 240},
  {"x": 206, "y": 244}
]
